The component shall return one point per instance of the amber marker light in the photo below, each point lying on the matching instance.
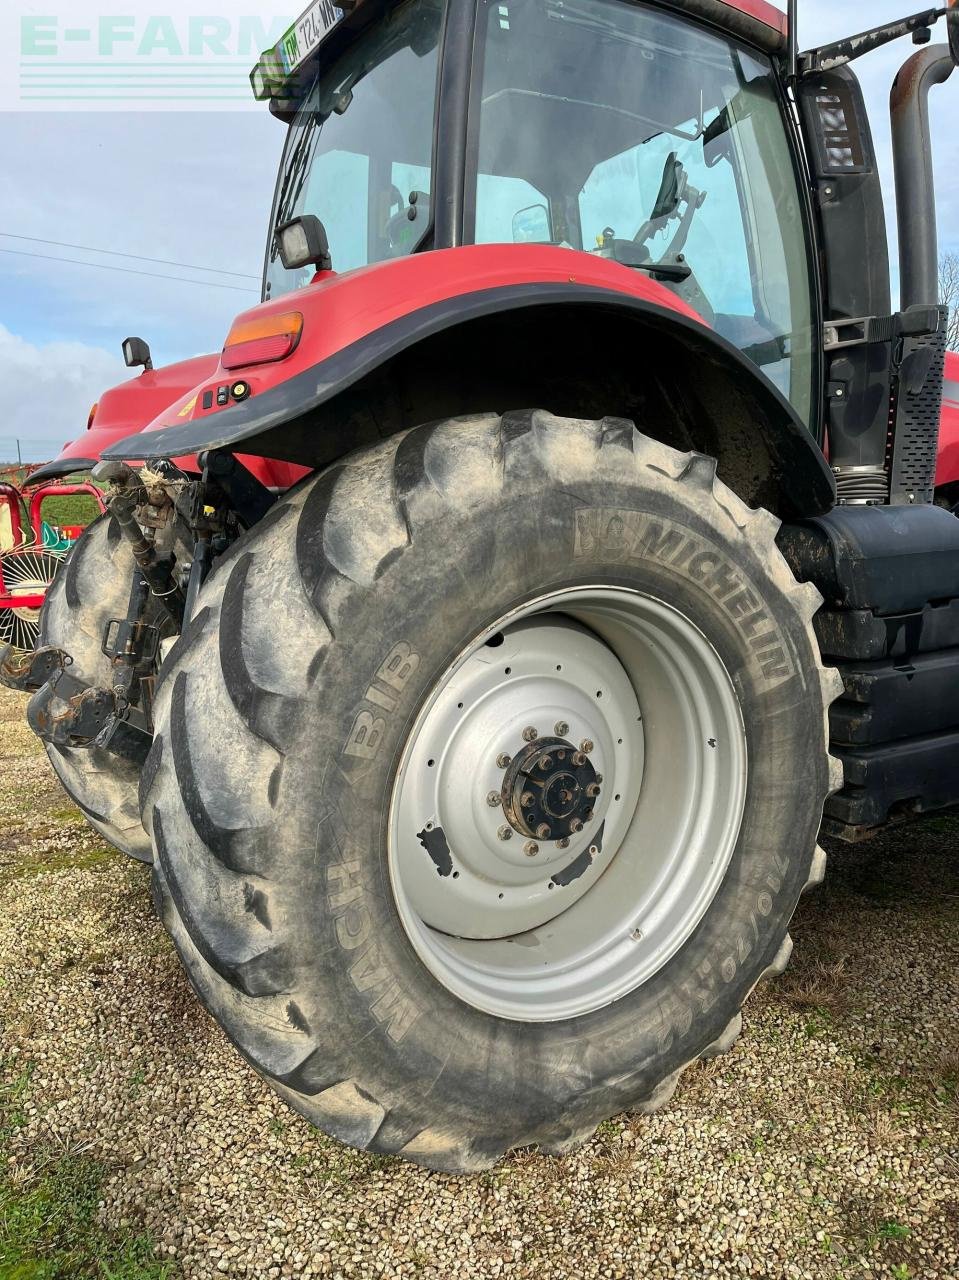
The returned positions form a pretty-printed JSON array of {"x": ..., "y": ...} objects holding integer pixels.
[{"x": 262, "y": 340}]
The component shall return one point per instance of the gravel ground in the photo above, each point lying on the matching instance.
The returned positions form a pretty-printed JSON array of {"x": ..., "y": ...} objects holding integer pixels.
[{"x": 826, "y": 1144}]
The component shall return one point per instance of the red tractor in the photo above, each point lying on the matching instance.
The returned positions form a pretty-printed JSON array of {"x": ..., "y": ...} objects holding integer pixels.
[{"x": 482, "y": 766}]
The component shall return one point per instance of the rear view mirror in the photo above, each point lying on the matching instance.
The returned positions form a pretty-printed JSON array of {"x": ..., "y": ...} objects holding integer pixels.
[
  {"x": 531, "y": 226},
  {"x": 669, "y": 189},
  {"x": 136, "y": 352}
]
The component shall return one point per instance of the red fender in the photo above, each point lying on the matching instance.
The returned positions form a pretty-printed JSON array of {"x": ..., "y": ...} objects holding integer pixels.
[{"x": 340, "y": 310}]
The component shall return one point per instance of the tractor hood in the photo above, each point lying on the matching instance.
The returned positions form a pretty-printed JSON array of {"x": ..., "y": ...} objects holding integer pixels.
[{"x": 124, "y": 409}]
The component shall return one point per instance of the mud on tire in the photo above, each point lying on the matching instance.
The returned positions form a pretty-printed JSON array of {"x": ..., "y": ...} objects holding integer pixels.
[{"x": 268, "y": 788}]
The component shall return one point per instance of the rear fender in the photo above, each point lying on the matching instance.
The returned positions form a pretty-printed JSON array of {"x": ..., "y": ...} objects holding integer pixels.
[{"x": 574, "y": 349}]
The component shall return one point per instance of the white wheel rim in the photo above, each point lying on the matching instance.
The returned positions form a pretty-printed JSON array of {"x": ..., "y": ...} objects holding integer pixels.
[{"x": 524, "y": 927}]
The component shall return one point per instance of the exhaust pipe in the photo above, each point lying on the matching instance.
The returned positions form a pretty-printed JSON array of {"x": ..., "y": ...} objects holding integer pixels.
[{"x": 915, "y": 184}]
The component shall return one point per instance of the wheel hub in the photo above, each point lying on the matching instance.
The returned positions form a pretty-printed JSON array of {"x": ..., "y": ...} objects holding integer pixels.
[
  {"x": 478, "y": 861},
  {"x": 550, "y": 790}
]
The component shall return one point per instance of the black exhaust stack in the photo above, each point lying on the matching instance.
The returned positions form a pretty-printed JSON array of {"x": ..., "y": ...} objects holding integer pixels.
[
  {"x": 915, "y": 183},
  {"x": 917, "y": 384}
]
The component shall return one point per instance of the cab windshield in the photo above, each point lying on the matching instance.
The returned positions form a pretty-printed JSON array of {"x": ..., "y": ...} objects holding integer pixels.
[
  {"x": 359, "y": 153},
  {"x": 631, "y": 133}
]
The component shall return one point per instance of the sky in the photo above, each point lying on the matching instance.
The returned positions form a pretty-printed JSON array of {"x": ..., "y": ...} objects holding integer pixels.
[{"x": 195, "y": 188}]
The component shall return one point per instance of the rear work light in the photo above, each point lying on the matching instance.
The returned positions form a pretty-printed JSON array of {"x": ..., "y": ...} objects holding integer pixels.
[{"x": 262, "y": 340}]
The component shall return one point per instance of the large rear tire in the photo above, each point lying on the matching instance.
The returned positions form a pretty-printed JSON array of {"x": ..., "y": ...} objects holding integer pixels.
[
  {"x": 345, "y": 737},
  {"x": 91, "y": 589}
]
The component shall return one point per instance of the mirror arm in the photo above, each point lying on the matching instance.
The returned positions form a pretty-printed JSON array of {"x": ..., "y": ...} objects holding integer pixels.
[{"x": 837, "y": 54}]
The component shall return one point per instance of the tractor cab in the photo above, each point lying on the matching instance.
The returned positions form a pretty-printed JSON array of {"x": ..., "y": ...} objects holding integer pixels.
[{"x": 631, "y": 132}]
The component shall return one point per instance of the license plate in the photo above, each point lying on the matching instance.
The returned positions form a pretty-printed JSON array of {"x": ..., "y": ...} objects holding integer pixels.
[{"x": 307, "y": 33}]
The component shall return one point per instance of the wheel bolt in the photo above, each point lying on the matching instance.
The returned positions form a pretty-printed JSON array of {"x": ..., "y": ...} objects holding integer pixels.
[
  {"x": 531, "y": 848},
  {"x": 530, "y": 734},
  {"x": 543, "y": 831},
  {"x": 588, "y": 815},
  {"x": 527, "y": 799},
  {"x": 592, "y": 790},
  {"x": 493, "y": 799},
  {"x": 599, "y": 777},
  {"x": 546, "y": 762},
  {"x": 561, "y": 728},
  {"x": 578, "y": 759},
  {"x": 575, "y": 826},
  {"x": 505, "y": 833},
  {"x": 586, "y": 745},
  {"x": 563, "y": 844},
  {"x": 502, "y": 760}
]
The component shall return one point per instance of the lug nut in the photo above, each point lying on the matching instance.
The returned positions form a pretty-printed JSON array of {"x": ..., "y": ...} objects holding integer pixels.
[
  {"x": 563, "y": 844},
  {"x": 586, "y": 745},
  {"x": 546, "y": 762},
  {"x": 599, "y": 778},
  {"x": 505, "y": 833},
  {"x": 543, "y": 831},
  {"x": 588, "y": 815},
  {"x": 575, "y": 826},
  {"x": 531, "y": 848},
  {"x": 493, "y": 799},
  {"x": 527, "y": 799},
  {"x": 578, "y": 759},
  {"x": 561, "y": 728},
  {"x": 502, "y": 760},
  {"x": 530, "y": 734},
  {"x": 592, "y": 790}
]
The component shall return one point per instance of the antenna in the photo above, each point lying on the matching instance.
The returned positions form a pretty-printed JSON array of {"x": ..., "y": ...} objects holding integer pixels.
[{"x": 792, "y": 20}]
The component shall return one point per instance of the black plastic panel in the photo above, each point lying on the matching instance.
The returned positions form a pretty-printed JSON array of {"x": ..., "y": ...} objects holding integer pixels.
[
  {"x": 902, "y": 778},
  {"x": 859, "y": 635},
  {"x": 887, "y": 700},
  {"x": 918, "y": 417},
  {"x": 889, "y": 560},
  {"x": 850, "y": 197}
]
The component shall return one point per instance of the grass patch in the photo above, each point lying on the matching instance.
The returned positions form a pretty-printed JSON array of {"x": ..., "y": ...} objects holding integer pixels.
[
  {"x": 36, "y": 862},
  {"x": 49, "y": 1227},
  {"x": 72, "y": 816},
  {"x": 79, "y": 508}
]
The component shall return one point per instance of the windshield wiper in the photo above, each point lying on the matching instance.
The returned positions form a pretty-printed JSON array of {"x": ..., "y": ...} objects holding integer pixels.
[
  {"x": 630, "y": 254},
  {"x": 295, "y": 174}
]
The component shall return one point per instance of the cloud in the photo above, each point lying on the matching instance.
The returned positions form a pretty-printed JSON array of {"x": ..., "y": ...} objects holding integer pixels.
[
  {"x": 48, "y": 390},
  {"x": 188, "y": 189}
]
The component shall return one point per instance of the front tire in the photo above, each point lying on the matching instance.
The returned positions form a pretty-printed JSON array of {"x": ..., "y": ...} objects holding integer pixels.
[
  {"x": 411, "y": 981},
  {"x": 91, "y": 589}
]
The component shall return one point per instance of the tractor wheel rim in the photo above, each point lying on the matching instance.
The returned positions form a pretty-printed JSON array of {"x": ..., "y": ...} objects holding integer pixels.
[{"x": 598, "y": 706}]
